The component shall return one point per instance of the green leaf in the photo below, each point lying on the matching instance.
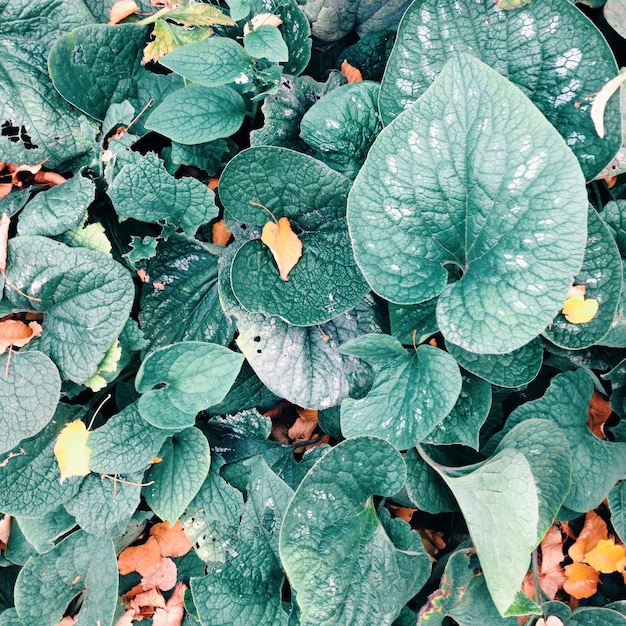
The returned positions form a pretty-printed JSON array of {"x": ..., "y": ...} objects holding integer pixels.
[
  {"x": 413, "y": 323},
  {"x": 247, "y": 588},
  {"x": 212, "y": 62},
  {"x": 30, "y": 481},
  {"x": 211, "y": 520},
  {"x": 167, "y": 36},
  {"x": 97, "y": 65},
  {"x": 366, "y": 577},
  {"x": 616, "y": 337},
  {"x": 462, "y": 425},
  {"x": 29, "y": 391},
  {"x": 104, "y": 505},
  {"x": 596, "y": 465},
  {"x": 58, "y": 209},
  {"x": 343, "y": 125},
  {"x": 326, "y": 281},
  {"x": 617, "y": 505},
  {"x": 146, "y": 192},
  {"x": 188, "y": 307},
  {"x": 547, "y": 451},
  {"x": 462, "y": 596},
  {"x": 10, "y": 618},
  {"x": 583, "y": 616},
  {"x": 550, "y": 50},
  {"x": 196, "y": 375},
  {"x": 502, "y": 201},
  {"x": 265, "y": 41},
  {"x": 41, "y": 532},
  {"x": 85, "y": 296},
  {"x": 197, "y": 114},
  {"x": 80, "y": 564},
  {"x": 514, "y": 369},
  {"x": 37, "y": 124},
  {"x": 413, "y": 391},
  {"x": 185, "y": 463},
  {"x": 615, "y": 15},
  {"x": 125, "y": 444},
  {"x": 499, "y": 499},
  {"x": 601, "y": 275},
  {"x": 210, "y": 157},
  {"x": 239, "y": 9},
  {"x": 198, "y": 15}
]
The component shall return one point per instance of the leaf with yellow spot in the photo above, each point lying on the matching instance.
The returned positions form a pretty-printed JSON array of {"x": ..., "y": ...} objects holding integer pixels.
[
  {"x": 607, "y": 557},
  {"x": 71, "y": 450},
  {"x": 284, "y": 244},
  {"x": 578, "y": 309}
]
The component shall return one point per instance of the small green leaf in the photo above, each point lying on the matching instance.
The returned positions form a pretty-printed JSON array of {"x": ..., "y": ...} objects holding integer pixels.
[
  {"x": 426, "y": 208},
  {"x": 30, "y": 386},
  {"x": 239, "y": 9},
  {"x": 265, "y": 41},
  {"x": 617, "y": 505},
  {"x": 196, "y": 375},
  {"x": 213, "y": 62},
  {"x": 41, "y": 532},
  {"x": 145, "y": 191},
  {"x": 79, "y": 564},
  {"x": 125, "y": 444},
  {"x": 197, "y": 114},
  {"x": 177, "y": 478},
  {"x": 413, "y": 323},
  {"x": 514, "y": 369},
  {"x": 413, "y": 391},
  {"x": 499, "y": 499},
  {"x": 85, "y": 296},
  {"x": 363, "y": 578},
  {"x": 58, "y": 209}
]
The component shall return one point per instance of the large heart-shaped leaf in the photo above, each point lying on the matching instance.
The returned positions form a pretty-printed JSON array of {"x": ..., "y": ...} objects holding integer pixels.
[
  {"x": 549, "y": 49},
  {"x": 472, "y": 180},
  {"x": 86, "y": 298},
  {"x": 366, "y": 577},
  {"x": 413, "y": 391},
  {"x": 325, "y": 281}
]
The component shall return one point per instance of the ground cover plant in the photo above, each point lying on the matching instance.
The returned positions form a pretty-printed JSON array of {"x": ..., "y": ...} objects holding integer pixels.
[{"x": 312, "y": 313}]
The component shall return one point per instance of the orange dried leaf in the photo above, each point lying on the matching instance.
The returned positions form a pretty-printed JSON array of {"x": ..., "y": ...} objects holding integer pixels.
[
  {"x": 159, "y": 286},
  {"x": 301, "y": 430},
  {"x": 143, "y": 276},
  {"x": 213, "y": 183},
  {"x": 284, "y": 244},
  {"x": 162, "y": 576},
  {"x": 599, "y": 412},
  {"x": 350, "y": 72},
  {"x": 593, "y": 531},
  {"x": 126, "y": 619},
  {"x": 172, "y": 614},
  {"x": 142, "y": 559},
  {"x": 5, "y": 189},
  {"x": 5, "y": 531},
  {"x": 219, "y": 233},
  {"x": 403, "y": 512},
  {"x": 582, "y": 580},
  {"x": 5, "y": 222},
  {"x": 552, "y": 620},
  {"x": 172, "y": 540},
  {"x": 121, "y": 10},
  {"x": 607, "y": 557},
  {"x": 308, "y": 415},
  {"x": 151, "y": 598},
  {"x": 68, "y": 620},
  {"x": 551, "y": 573},
  {"x": 17, "y": 334},
  {"x": 49, "y": 178},
  {"x": 71, "y": 450}
]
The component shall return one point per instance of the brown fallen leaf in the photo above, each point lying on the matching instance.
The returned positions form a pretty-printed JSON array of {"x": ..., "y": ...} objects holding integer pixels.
[
  {"x": 68, "y": 620},
  {"x": 143, "y": 276},
  {"x": 172, "y": 614},
  {"x": 121, "y": 10},
  {"x": 127, "y": 618},
  {"x": 552, "y": 620},
  {"x": 599, "y": 412},
  {"x": 151, "y": 598},
  {"x": 301, "y": 430},
  {"x": 551, "y": 573},
  {"x": 172, "y": 540},
  {"x": 44, "y": 177},
  {"x": 159, "y": 286},
  {"x": 582, "y": 580},
  {"x": 219, "y": 234},
  {"x": 593, "y": 531},
  {"x": 162, "y": 576},
  {"x": 284, "y": 244},
  {"x": 5, "y": 531},
  {"x": 16, "y": 334},
  {"x": 5, "y": 189},
  {"x": 142, "y": 558},
  {"x": 351, "y": 73}
]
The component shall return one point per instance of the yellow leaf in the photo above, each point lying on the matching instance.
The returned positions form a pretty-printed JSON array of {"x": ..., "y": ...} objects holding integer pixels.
[
  {"x": 284, "y": 244},
  {"x": 601, "y": 100},
  {"x": 71, "y": 450},
  {"x": 606, "y": 557},
  {"x": 582, "y": 580},
  {"x": 579, "y": 310}
]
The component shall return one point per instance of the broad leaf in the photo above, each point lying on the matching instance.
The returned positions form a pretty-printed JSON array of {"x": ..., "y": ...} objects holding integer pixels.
[
  {"x": 413, "y": 323},
  {"x": 125, "y": 444},
  {"x": 549, "y": 49},
  {"x": 343, "y": 125},
  {"x": 58, "y": 209},
  {"x": 177, "y": 478},
  {"x": 499, "y": 499},
  {"x": 247, "y": 588},
  {"x": 197, "y": 114},
  {"x": 514, "y": 369},
  {"x": 601, "y": 275},
  {"x": 196, "y": 375},
  {"x": 79, "y": 564},
  {"x": 145, "y": 191},
  {"x": 30, "y": 483},
  {"x": 617, "y": 504},
  {"x": 29, "y": 391},
  {"x": 211, "y": 521},
  {"x": 413, "y": 391},
  {"x": 188, "y": 307},
  {"x": 452, "y": 188},
  {"x": 42, "y": 532},
  {"x": 266, "y": 41},
  {"x": 326, "y": 281},
  {"x": 366, "y": 577}
]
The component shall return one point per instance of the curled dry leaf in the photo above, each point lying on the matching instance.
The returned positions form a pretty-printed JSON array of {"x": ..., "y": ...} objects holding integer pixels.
[
  {"x": 172, "y": 614},
  {"x": 262, "y": 19},
  {"x": 352, "y": 73},
  {"x": 143, "y": 558},
  {"x": 220, "y": 234},
  {"x": 162, "y": 576},
  {"x": 553, "y": 620},
  {"x": 582, "y": 580},
  {"x": 172, "y": 540},
  {"x": 285, "y": 245},
  {"x": 71, "y": 450},
  {"x": 599, "y": 413},
  {"x": 607, "y": 557},
  {"x": 602, "y": 99},
  {"x": 551, "y": 573},
  {"x": 593, "y": 531},
  {"x": 151, "y": 598},
  {"x": 5, "y": 531},
  {"x": 16, "y": 334},
  {"x": 121, "y": 10}
]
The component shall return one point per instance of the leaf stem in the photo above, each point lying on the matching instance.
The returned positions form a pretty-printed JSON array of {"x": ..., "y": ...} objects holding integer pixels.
[{"x": 266, "y": 209}]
